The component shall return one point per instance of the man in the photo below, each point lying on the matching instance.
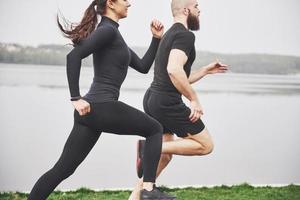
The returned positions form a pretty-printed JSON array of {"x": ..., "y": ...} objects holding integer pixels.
[{"x": 172, "y": 79}]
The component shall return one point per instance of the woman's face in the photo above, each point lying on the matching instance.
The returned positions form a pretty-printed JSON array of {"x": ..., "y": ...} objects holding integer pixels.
[{"x": 121, "y": 8}]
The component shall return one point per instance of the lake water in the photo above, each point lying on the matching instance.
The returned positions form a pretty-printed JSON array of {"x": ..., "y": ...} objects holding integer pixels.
[{"x": 254, "y": 121}]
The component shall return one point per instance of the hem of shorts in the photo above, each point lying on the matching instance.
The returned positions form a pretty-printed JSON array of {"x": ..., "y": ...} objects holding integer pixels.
[{"x": 185, "y": 133}]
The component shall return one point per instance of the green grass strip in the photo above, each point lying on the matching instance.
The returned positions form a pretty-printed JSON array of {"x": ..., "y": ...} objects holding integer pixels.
[{"x": 239, "y": 192}]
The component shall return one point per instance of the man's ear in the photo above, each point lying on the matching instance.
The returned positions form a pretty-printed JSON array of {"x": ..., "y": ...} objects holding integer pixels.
[{"x": 186, "y": 11}]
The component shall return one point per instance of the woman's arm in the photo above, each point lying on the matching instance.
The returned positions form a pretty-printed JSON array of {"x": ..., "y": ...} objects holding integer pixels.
[
  {"x": 143, "y": 65},
  {"x": 98, "y": 39}
]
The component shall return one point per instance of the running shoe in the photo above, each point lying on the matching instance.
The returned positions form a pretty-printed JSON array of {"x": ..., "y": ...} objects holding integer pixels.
[{"x": 155, "y": 194}]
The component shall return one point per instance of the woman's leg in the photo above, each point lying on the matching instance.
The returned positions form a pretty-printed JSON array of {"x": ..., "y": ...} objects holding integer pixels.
[
  {"x": 119, "y": 118},
  {"x": 163, "y": 162},
  {"x": 80, "y": 142}
]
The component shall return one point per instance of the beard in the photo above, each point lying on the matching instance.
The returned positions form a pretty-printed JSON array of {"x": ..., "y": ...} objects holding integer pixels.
[{"x": 193, "y": 22}]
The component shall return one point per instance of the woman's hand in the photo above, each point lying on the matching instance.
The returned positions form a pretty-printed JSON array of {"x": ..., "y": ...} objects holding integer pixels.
[
  {"x": 157, "y": 28},
  {"x": 82, "y": 106}
]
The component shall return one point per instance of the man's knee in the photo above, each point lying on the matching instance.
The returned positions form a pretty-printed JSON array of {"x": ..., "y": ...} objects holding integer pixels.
[
  {"x": 208, "y": 147},
  {"x": 205, "y": 148}
]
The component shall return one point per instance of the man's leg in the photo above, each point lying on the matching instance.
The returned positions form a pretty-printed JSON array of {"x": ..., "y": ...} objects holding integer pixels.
[
  {"x": 165, "y": 158},
  {"x": 192, "y": 145},
  {"x": 199, "y": 144}
]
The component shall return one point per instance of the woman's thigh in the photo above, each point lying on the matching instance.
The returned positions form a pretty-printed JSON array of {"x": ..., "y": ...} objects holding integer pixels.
[{"x": 119, "y": 118}]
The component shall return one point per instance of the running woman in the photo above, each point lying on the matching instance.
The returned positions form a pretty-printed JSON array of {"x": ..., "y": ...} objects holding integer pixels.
[{"x": 99, "y": 110}]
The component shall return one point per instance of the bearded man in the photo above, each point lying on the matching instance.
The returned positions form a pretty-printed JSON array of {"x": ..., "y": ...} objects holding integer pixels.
[{"x": 172, "y": 79}]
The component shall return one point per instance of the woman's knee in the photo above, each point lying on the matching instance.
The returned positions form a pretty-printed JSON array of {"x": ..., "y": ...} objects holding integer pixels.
[{"x": 155, "y": 128}]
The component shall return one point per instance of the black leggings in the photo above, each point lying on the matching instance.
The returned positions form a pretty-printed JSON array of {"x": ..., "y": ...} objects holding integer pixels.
[{"x": 112, "y": 117}]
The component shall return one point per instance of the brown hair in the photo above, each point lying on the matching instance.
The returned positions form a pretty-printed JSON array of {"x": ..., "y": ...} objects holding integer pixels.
[{"x": 87, "y": 25}]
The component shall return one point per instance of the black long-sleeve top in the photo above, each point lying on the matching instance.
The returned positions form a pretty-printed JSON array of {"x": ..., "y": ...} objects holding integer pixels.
[{"x": 111, "y": 58}]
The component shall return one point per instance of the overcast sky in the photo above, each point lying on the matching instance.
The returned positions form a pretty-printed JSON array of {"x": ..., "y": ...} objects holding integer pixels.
[{"x": 227, "y": 26}]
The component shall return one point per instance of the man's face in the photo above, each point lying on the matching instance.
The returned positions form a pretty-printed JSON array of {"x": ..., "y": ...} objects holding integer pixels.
[{"x": 193, "y": 20}]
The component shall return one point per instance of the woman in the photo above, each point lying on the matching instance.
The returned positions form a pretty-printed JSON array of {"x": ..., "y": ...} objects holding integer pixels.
[{"x": 99, "y": 110}]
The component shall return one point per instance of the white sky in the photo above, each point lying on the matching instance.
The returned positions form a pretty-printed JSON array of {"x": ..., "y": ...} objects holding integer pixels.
[{"x": 227, "y": 26}]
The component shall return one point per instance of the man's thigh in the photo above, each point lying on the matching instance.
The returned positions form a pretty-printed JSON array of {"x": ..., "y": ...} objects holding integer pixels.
[{"x": 202, "y": 137}]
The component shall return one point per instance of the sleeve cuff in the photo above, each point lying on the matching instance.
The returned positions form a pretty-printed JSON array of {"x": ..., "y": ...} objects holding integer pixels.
[{"x": 75, "y": 98}]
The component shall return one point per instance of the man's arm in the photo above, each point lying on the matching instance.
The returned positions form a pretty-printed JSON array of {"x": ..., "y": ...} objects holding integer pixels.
[
  {"x": 196, "y": 75},
  {"x": 212, "y": 68},
  {"x": 177, "y": 59}
]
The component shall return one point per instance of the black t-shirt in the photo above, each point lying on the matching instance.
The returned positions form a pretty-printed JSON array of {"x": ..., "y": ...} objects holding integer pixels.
[
  {"x": 177, "y": 37},
  {"x": 111, "y": 57}
]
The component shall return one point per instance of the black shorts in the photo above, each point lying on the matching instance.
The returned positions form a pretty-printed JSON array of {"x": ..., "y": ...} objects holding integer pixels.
[{"x": 171, "y": 112}]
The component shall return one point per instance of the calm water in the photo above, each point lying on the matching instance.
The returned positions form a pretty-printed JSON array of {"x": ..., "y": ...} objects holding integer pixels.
[{"x": 254, "y": 120}]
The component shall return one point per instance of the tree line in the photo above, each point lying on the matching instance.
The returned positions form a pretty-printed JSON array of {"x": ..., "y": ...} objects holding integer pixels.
[{"x": 239, "y": 63}]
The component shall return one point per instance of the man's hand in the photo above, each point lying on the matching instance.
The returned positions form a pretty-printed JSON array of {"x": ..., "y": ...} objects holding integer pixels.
[
  {"x": 215, "y": 67},
  {"x": 196, "y": 111}
]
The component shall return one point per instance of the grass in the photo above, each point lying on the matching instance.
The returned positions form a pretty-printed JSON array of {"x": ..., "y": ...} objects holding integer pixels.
[{"x": 239, "y": 192}]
